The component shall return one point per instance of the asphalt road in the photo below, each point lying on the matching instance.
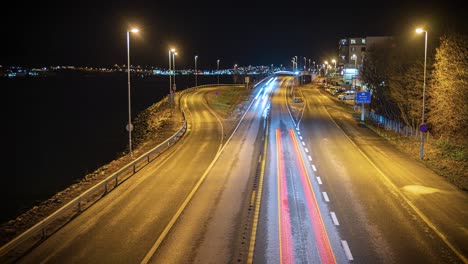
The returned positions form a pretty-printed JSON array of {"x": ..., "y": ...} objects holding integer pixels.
[
  {"x": 123, "y": 226},
  {"x": 388, "y": 207},
  {"x": 307, "y": 186}
]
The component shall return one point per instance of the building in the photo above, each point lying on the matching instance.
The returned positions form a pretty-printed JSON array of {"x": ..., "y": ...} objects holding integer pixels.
[{"x": 351, "y": 52}]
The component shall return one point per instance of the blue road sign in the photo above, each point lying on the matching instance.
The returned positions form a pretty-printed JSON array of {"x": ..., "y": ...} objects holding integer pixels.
[
  {"x": 362, "y": 98},
  {"x": 423, "y": 128}
]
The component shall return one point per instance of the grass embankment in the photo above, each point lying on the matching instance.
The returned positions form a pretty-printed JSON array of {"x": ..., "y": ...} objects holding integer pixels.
[
  {"x": 227, "y": 98},
  {"x": 444, "y": 158}
]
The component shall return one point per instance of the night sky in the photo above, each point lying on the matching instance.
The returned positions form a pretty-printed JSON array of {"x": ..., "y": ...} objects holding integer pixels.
[{"x": 93, "y": 33}]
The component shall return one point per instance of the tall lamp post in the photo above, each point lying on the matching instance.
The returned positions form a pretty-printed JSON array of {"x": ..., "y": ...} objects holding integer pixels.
[
  {"x": 421, "y": 152},
  {"x": 129, "y": 126},
  {"x": 170, "y": 70},
  {"x": 295, "y": 61},
  {"x": 196, "y": 57},
  {"x": 173, "y": 67},
  {"x": 217, "y": 69}
]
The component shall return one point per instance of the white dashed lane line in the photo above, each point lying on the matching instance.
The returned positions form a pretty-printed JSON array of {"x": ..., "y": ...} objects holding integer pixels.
[
  {"x": 334, "y": 218},
  {"x": 319, "y": 180},
  {"x": 325, "y": 196},
  {"x": 347, "y": 251}
]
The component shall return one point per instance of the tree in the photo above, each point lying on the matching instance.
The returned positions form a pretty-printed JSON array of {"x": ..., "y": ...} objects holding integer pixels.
[
  {"x": 405, "y": 81},
  {"x": 449, "y": 94}
]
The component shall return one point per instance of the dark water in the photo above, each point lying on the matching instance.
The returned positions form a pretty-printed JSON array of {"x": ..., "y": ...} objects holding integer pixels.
[{"x": 68, "y": 125}]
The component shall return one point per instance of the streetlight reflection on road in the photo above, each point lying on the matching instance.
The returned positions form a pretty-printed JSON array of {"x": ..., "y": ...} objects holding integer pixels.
[
  {"x": 421, "y": 152},
  {"x": 129, "y": 125}
]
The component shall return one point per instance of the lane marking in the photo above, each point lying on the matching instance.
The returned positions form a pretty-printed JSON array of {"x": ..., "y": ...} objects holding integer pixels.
[
  {"x": 252, "y": 198},
  {"x": 313, "y": 168},
  {"x": 303, "y": 144},
  {"x": 346, "y": 249},
  {"x": 319, "y": 180},
  {"x": 334, "y": 218},
  {"x": 306, "y": 150},
  {"x": 309, "y": 157},
  {"x": 324, "y": 247},
  {"x": 325, "y": 196}
]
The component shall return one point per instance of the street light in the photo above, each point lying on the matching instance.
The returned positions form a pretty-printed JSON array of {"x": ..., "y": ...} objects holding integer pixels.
[
  {"x": 217, "y": 69},
  {"x": 170, "y": 71},
  {"x": 305, "y": 63},
  {"x": 129, "y": 126},
  {"x": 419, "y": 31},
  {"x": 173, "y": 66},
  {"x": 196, "y": 57}
]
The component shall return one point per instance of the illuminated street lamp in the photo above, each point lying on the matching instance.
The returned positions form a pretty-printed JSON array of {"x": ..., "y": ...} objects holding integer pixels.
[
  {"x": 305, "y": 63},
  {"x": 354, "y": 57},
  {"x": 217, "y": 69},
  {"x": 196, "y": 57},
  {"x": 129, "y": 126},
  {"x": 421, "y": 152}
]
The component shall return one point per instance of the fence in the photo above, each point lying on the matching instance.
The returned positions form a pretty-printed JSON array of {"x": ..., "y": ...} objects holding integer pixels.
[{"x": 396, "y": 126}]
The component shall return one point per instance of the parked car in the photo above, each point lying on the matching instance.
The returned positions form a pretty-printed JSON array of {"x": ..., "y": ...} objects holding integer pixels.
[{"x": 347, "y": 95}]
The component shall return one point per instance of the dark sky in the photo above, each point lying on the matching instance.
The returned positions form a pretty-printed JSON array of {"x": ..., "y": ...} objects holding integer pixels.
[{"x": 93, "y": 33}]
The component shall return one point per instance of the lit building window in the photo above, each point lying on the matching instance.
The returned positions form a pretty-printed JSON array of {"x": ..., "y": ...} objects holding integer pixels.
[
  {"x": 363, "y": 41},
  {"x": 353, "y": 41}
]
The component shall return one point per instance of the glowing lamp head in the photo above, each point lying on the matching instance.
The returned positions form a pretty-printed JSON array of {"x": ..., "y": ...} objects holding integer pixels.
[
  {"x": 419, "y": 30},
  {"x": 134, "y": 30}
]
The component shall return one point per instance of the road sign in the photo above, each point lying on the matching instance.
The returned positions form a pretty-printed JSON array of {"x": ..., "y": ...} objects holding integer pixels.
[
  {"x": 423, "y": 128},
  {"x": 362, "y": 97}
]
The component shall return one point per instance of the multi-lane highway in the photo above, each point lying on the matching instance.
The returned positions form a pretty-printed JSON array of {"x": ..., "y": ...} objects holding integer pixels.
[{"x": 309, "y": 186}]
